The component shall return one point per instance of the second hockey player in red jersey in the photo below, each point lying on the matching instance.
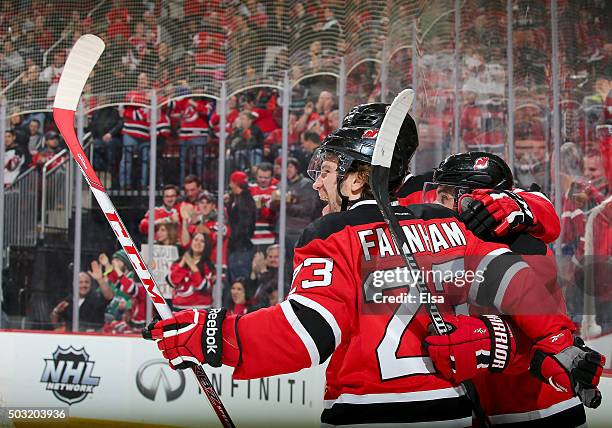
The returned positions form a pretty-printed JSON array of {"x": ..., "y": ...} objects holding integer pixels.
[
  {"x": 373, "y": 330},
  {"x": 549, "y": 403}
]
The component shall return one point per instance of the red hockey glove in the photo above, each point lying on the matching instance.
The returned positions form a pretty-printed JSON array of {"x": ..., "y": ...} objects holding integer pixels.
[
  {"x": 473, "y": 345},
  {"x": 189, "y": 337},
  {"x": 494, "y": 213},
  {"x": 567, "y": 364}
]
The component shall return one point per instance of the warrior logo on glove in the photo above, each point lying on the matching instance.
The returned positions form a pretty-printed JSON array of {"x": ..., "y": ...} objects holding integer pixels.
[{"x": 474, "y": 344}]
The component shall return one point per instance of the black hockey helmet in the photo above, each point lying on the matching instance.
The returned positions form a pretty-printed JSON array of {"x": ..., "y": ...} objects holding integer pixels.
[
  {"x": 354, "y": 142},
  {"x": 474, "y": 170}
]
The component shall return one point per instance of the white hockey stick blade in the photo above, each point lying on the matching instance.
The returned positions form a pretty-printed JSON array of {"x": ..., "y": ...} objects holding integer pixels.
[
  {"x": 390, "y": 128},
  {"x": 82, "y": 58}
]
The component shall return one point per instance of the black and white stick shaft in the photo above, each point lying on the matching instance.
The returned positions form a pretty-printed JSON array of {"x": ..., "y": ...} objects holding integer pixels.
[{"x": 83, "y": 57}]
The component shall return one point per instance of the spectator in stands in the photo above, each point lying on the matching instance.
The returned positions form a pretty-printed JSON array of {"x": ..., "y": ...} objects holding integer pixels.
[
  {"x": 44, "y": 37},
  {"x": 310, "y": 141},
  {"x": 206, "y": 222},
  {"x": 308, "y": 118},
  {"x": 264, "y": 271},
  {"x": 593, "y": 171},
  {"x": 232, "y": 116},
  {"x": 187, "y": 208},
  {"x": 51, "y": 148},
  {"x": 16, "y": 157},
  {"x": 11, "y": 62},
  {"x": 51, "y": 74},
  {"x": 194, "y": 114},
  {"x": 138, "y": 46},
  {"x": 35, "y": 137},
  {"x": 166, "y": 213},
  {"x": 303, "y": 206},
  {"x": 242, "y": 215},
  {"x": 330, "y": 31},
  {"x": 136, "y": 130},
  {"x": 91, "y": 307},
  {"x": 105, "y": 127},
  {"x": 166, "y": 234},
  {"x": 238, "y": 302},
  {"x": 246, "y": 141},
  {"x": 29, "y": 49},
  {"x": 101, "y": 270},
  {"x": 266, "y": 218},
  {"x": 118, "y": 18},
  {"x": 324, "y": 108},
  {"x": 131, "y": 295},
  {"x": 532, "y": 160},
  {"x": 29, "y": 87},
  {"x": 193, "y": 275}
]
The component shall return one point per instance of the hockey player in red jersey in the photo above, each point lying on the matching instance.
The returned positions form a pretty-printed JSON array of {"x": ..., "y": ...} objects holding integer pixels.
[
  {"x": 548, "y": 403},
  {"x": 379, "y": 370}
]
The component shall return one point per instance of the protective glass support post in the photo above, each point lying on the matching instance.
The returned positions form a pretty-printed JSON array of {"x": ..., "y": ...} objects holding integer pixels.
[
  {"x": 384, "y": 71},
  {"x": 341, "y": 89},
  {"x": 78, "y": 223},
  {"x": 2, "y": 132},
  {"x": 415, "y": 82},
  {"x": 556, "y": 125},
  {"x": 282, "y": 226},
  {"x": 218, "y": 289},
  {"x": 457, "y": 78},
  {"x": 510, "y": 77},
  {"x": 152, "y": 186}
]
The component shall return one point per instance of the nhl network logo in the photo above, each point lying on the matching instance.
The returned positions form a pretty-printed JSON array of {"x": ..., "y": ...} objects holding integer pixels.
[{"x": 69, "y": 374}]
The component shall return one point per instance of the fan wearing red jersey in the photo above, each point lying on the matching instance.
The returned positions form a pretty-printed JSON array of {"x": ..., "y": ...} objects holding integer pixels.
[
  {"x": 565, "y": 364},
  {"x": 266, "y": 218},
  {"x": 379, "y": 371}
]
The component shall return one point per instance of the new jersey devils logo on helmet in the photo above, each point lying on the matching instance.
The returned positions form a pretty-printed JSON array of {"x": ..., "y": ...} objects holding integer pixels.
[
  {"x": 481, "y": 163},
  {"x": 370, "y": 133}
]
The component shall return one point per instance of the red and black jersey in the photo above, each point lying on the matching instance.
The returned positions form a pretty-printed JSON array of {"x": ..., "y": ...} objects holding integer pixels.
[
  {"x": 266, "y": 217},
  {"x": 191, "y": 289},
  {"x": 373, "y": 327},
  {"x": 136, "y": 118},
  {"x": 194, "y": 115},
  {"x": 544, "y": 309}
]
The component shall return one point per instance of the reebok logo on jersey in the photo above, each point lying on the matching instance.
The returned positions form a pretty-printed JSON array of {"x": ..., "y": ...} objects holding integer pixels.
[
  {"x": 556, "y": 337},
  {"x": 212, "y": 336},
  {"x": 557, "y": 387},
  {"x": 481, "y": 163}
]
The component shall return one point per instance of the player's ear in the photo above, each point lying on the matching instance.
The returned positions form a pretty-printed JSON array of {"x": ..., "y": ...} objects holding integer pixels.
[
  {"x": 355, "y": 182},
  {"x": 360, "y": 180}
]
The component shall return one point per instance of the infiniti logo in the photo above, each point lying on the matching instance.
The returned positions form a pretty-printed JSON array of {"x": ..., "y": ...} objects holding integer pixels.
[{"x": 155, "y": 372}]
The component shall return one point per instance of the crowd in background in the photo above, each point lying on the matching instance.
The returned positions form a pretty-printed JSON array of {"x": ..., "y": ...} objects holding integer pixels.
[{"x": 178, "y": 48}]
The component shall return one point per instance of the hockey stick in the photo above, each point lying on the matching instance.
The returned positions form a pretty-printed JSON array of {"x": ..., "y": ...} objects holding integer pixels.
[
  {"x": 81, "y": 61},
  {"x": 379, "y": 183}
]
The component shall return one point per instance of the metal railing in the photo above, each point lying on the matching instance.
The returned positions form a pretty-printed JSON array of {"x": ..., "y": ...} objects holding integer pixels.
[
  {"x": 21, "y": 210},
  {"x": 57, "y": 190}
]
